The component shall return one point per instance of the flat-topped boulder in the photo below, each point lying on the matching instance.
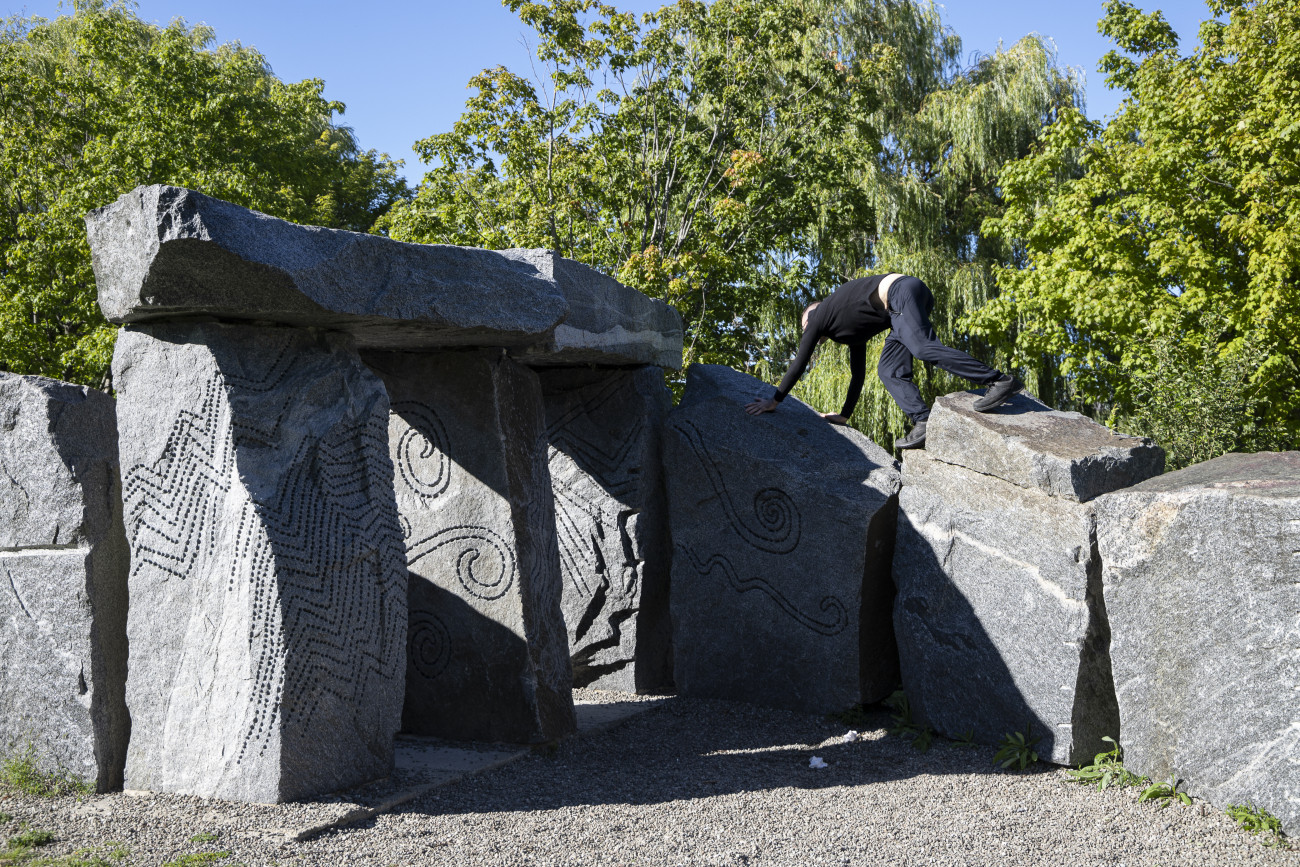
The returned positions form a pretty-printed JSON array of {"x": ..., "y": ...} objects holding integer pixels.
[
  {"x": 1029, "y": 444},
  {"x": 782, "y": 528},
  {"x": 608, "y": 323},
  {"x": 1202, "y": 582},
  {"x": 165, "y": 252},
  {"x": 63, "y": 563},
  {"x": 1000, "y": 618}
]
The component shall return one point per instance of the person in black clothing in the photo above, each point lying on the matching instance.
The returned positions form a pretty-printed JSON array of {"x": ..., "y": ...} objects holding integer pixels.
[{"x": 861, "y": 309}]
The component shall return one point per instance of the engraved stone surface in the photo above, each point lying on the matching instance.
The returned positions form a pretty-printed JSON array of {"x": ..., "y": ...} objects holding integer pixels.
[
  {"x": 63, "y": 563},
  {"x": 1000, "y": 619},
  {"x": 1201, "y": 571},
  {"x": 268, "y": 586},
  {"x": 1029, "y": 444},
  {"x": 607, "y": 324},
  {"x": 603, "y": 429},
  {"x": 487, "y": 654},
  {"x": 163, "y": 251},
  {"x": 782, "y": 529}
]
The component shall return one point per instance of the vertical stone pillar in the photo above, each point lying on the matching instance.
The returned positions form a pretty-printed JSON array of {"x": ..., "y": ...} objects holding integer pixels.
[
  {"x": 603, "y": 431},
  {"x": 63, "y": 563},
  {"x": 268, "y": 592},
  {"x": 488, "y": 659}
]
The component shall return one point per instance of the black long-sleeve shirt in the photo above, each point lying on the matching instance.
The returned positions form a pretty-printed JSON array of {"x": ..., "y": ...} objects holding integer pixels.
[{"x": 847, "y": 317}]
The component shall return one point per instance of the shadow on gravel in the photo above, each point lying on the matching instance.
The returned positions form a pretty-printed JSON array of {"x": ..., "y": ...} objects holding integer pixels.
[{"x": 690, "y": 749}]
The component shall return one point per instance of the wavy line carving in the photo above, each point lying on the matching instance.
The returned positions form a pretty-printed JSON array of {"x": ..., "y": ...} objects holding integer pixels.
[
  {"x": 776, "y": 527},
  {"x": 829, "y": 604}
]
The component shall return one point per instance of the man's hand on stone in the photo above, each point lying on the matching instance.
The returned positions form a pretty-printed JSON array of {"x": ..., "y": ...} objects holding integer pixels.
[
  {"x": 834, "y": 418},
  {"x": 761, "y": 406}
]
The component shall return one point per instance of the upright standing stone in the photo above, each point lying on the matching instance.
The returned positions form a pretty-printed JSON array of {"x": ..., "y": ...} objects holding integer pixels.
[
  {"x": 63, "y": 562},
  {"x": 488, "y": 659},
  {"x": 1000, "y": 619},
  {"x": 782, "y": 529},
  {"x": 268, "y": 588},
  {"x": 1201, "y": 570},
  {"x": 603, "y": 429}
]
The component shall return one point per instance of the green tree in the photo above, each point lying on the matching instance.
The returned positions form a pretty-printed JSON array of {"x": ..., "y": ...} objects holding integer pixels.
[
  {"x": 1174, "y": 226},
  {"x": 96, "y": 103}
]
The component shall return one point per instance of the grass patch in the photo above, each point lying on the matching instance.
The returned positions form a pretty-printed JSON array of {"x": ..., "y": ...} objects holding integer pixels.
[
  {"x": 197, "y": 859},
  {"x": 18, "y": 770},
  {"x": 206, "y": 837}
]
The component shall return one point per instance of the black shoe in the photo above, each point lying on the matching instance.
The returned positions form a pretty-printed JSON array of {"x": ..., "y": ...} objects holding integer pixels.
[
  {"x": 998, "y": 393},
  {"x": 915, "y": 438}
]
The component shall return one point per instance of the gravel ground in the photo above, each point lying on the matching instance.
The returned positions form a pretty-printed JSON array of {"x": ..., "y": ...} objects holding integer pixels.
[{"x": 690, "y": 782}]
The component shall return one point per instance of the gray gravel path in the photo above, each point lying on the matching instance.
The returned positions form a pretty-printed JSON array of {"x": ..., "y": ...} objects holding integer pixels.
[{"x": 692, "y": 782}]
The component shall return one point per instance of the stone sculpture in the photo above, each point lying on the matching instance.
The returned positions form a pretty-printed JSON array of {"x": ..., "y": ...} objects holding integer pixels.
[
  {"x": 63, "y": 563},
  {"x": 268, "y": 584},
  {"x": 603, "y": 430},
  {"x": 1201, "y": 572},
  {"x": 1000, "y": 619},
  {"x": 782, "y": 529},
  {"x": 487, "y": 654}
]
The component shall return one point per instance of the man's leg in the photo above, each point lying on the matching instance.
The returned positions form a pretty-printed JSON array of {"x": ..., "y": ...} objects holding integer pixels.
[
  {"x": 895, "y": 370},
  {"x": 910, "y": 303}
]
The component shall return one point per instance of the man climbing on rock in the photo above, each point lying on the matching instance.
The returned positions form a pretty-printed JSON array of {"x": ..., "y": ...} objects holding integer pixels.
[{"x": 861, "y": 309}]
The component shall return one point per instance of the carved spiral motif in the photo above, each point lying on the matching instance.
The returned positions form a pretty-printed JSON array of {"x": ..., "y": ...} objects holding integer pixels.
[
  {"x": 484, "y": 563},
  {"x": 776, "y": 514},
  {"x": 420, "y": 453},
  {"x": 428, "y": 644}
]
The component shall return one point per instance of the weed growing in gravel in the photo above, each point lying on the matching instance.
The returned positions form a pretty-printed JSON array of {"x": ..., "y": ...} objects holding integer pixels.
[
  {"x": 905, "y": 726},
  {"x": 197, "y": 859},
  {"x": 855, "y": 717},
  {"x": 1107, "y": 769},
  {"x": 206, "y": 837},
  {"x": 18, "y": 770},
  {"x": 19, "y": 848},
  {"x": 965, "y": 739},
  {"x": 1257, "y": 820},
  {"x": 1165, "y": 794},
  {"x": 20, "y": 852},
  {"x": 5, "y": 817},
  {"x": 1016, "y": 749}
]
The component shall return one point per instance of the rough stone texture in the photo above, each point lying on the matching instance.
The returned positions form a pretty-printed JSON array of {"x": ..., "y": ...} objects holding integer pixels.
[
  {"x": 1025, "y": 442},
  {"x": 63, "y": 563},
  {"x": 164, "y": 251},
  {"x": 487, "y": 655},
  {"x": 268, "y": 588},
  {"x": 608, "y": 323},
  {"x": 998, "y": 616},
  {"x": 1201, "y": 570},
  {"x": 603, "y": 429},
  {"x": 782, "y": 528}
]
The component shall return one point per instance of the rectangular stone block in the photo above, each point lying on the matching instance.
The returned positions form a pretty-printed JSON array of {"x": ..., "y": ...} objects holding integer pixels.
[
  {"x": 63, "y": 565},
  {"x": 488, "y": 657},
  {"x": 999, "y": 616},
  {"x": 603, "y": 431},
  {"x": 783, "y": 530},
  {"x": 268, "y": 584},
  {"x": 1201, "y": 571}
]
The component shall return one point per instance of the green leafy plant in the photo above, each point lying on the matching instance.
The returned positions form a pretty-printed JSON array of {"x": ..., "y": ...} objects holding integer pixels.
[
  {"x": 855, "y": 717},
  {"x": 965, "y": 739},
  {"x": 206, "y": 837},
  {"x": 1107, "y": 769},
  {"x": 1257, "y": 820},
  {"x": 31, "y": 839},
  {"x": 5, "y": 817},
  {"x": 904, "y": 726},
  {"x": 1165, "y": 794},
  {"x": 19, "y": 770},
  {"x": 197, "y": 859},
  {"x": 1016, "y": 749}
]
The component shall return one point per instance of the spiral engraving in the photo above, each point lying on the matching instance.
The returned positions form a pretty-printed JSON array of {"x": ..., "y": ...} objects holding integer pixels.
[
  {"x": 420, "y": 450},
  {"x": 484, "y": 562},
  {"x": 428, "y": 644}
]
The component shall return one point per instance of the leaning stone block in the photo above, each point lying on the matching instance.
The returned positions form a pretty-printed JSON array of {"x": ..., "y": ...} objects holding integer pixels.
[
  {"x": 603, "y": 429},
  {"x": 782, "y": 529},
  {"x": 63, "y": 562},
  {"x": 268, "y": 584},
  {"x": 1000, "y": 619},
  {"x": 1201, "y": 570},
  {"x": 164, "y": 251},
  {"x": 607, "y": 324},
  {"x": 487, "y": 655}
]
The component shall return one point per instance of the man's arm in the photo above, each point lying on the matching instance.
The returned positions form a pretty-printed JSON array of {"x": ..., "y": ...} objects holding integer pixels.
[
  {"x": 807, "y": 344},
  {"x": 858, "y": 375}
]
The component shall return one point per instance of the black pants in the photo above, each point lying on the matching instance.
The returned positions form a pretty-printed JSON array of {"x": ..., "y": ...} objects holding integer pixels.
[{"x": 912, "y": 336}]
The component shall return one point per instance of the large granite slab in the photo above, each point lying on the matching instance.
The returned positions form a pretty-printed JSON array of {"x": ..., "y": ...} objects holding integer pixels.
[
  {"x": 487, "y": 654},
  {"x": 268, "y": 583},
  {"x": 603, "y": 432},
  {"x": 1000, "y": 618},
  {"x": 163, "y": 251},
  {"x": 1201, "y": 570},
  {"x": 607, "y": 324},
  {"x": 63, "y": 565},
  {"x": 782, "y": 529}
]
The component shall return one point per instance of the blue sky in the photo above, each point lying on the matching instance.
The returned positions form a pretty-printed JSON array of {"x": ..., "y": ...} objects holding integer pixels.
[{"x": 401, "y": 66}]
